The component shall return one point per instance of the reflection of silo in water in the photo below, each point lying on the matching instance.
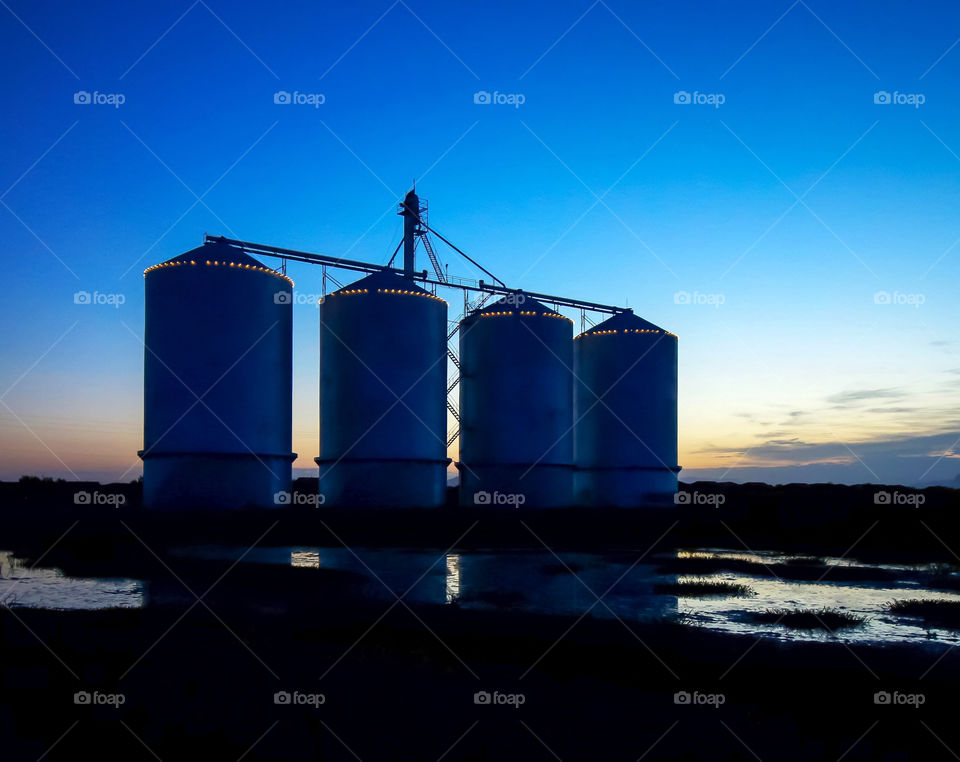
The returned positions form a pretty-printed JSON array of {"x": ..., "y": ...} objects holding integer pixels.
[
  {"x": 540, "y": 583},
  {"x": 415, "y": 576},
  {"x": 305, "y": 559},
  {"x": 452, "y": 588}
]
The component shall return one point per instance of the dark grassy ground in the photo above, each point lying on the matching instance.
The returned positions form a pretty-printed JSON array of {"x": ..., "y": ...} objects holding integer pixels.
[
  {"x": 801, "y": 519},
  {"x": 399, "y": 684},
  {"x": 205, "y": 688}
]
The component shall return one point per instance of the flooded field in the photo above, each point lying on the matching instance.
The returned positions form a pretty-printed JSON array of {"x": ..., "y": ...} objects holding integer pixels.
[
  {"x": 604, "y": 586},
  {"x": 38, "y": 587}
]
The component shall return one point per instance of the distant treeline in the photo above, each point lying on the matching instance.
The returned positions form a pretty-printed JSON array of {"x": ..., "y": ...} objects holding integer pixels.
[{"x": 826, "y": 519}]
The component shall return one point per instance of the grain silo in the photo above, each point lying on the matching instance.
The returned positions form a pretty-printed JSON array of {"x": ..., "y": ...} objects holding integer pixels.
[
  {"x": 516, "y": 443},
  {"x": 625, "y": 408},
  {"x": 217, "y": 381},
  {"x": 382, "y": 391}
]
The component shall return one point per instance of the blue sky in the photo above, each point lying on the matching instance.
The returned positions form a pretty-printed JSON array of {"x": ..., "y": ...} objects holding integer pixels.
[{"x": 799, "y": 237}]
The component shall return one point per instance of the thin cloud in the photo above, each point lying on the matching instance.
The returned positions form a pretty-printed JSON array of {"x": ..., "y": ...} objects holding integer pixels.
[{"x": 861, "y": 395}]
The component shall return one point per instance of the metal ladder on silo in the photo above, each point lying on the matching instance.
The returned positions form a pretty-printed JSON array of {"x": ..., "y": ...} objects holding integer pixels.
[{"x": 433, "y": 257}]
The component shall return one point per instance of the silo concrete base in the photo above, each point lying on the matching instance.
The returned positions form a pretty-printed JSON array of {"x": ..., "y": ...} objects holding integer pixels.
[
  {"x": 625, "y": 487},
  {"x": 209, "y": 481},
  {"x": 544, "y": 485},
  {"x": 383, "y": 483}
]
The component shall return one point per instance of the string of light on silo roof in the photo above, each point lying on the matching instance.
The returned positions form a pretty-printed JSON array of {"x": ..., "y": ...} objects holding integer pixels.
[
  {"x": 624, "y": 331},
  {"x": 527, "y": 313},
  {"x": 409, "y": 293},
  {"x": 218, "y": 263}
]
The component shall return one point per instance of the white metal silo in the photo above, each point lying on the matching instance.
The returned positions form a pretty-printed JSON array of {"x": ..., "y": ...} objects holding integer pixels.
[
  {"x": 516, "y": 405},
  {"x": 382, "y": 395},
  {"x": 625, "y": 408},
  {"x": 217, "y": 381}
]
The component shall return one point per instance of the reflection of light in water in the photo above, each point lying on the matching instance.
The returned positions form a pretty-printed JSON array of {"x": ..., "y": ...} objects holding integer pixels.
[
  {"x": 718, "y": 554},
  {"x": 25, "y": 586},
  {"x": 763, "y": 557},
  {"x": 730, "y": 614},
  {"x": 308, "y": 559},
  {"x": 453, "y": 577}
]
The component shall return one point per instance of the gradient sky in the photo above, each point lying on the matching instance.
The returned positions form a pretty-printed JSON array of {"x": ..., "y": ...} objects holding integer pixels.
[{"x": 783, "y": 215}]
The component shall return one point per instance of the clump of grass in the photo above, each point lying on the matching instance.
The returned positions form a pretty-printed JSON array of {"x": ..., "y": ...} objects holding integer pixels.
[
  {"x": 938, "y": 612},
  {"x": 701, "y": 588},
  {"x": 810, "y": 619}
]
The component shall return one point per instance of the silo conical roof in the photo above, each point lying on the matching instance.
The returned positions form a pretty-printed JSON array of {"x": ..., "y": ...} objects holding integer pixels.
[
  {"x": 384, "y": 279},
  {"x": 219, "y": 251},
  {"x": 518, "y": 301},
  {"x": 625, "y": 322},
  {"x": 386, "y": 282}
]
